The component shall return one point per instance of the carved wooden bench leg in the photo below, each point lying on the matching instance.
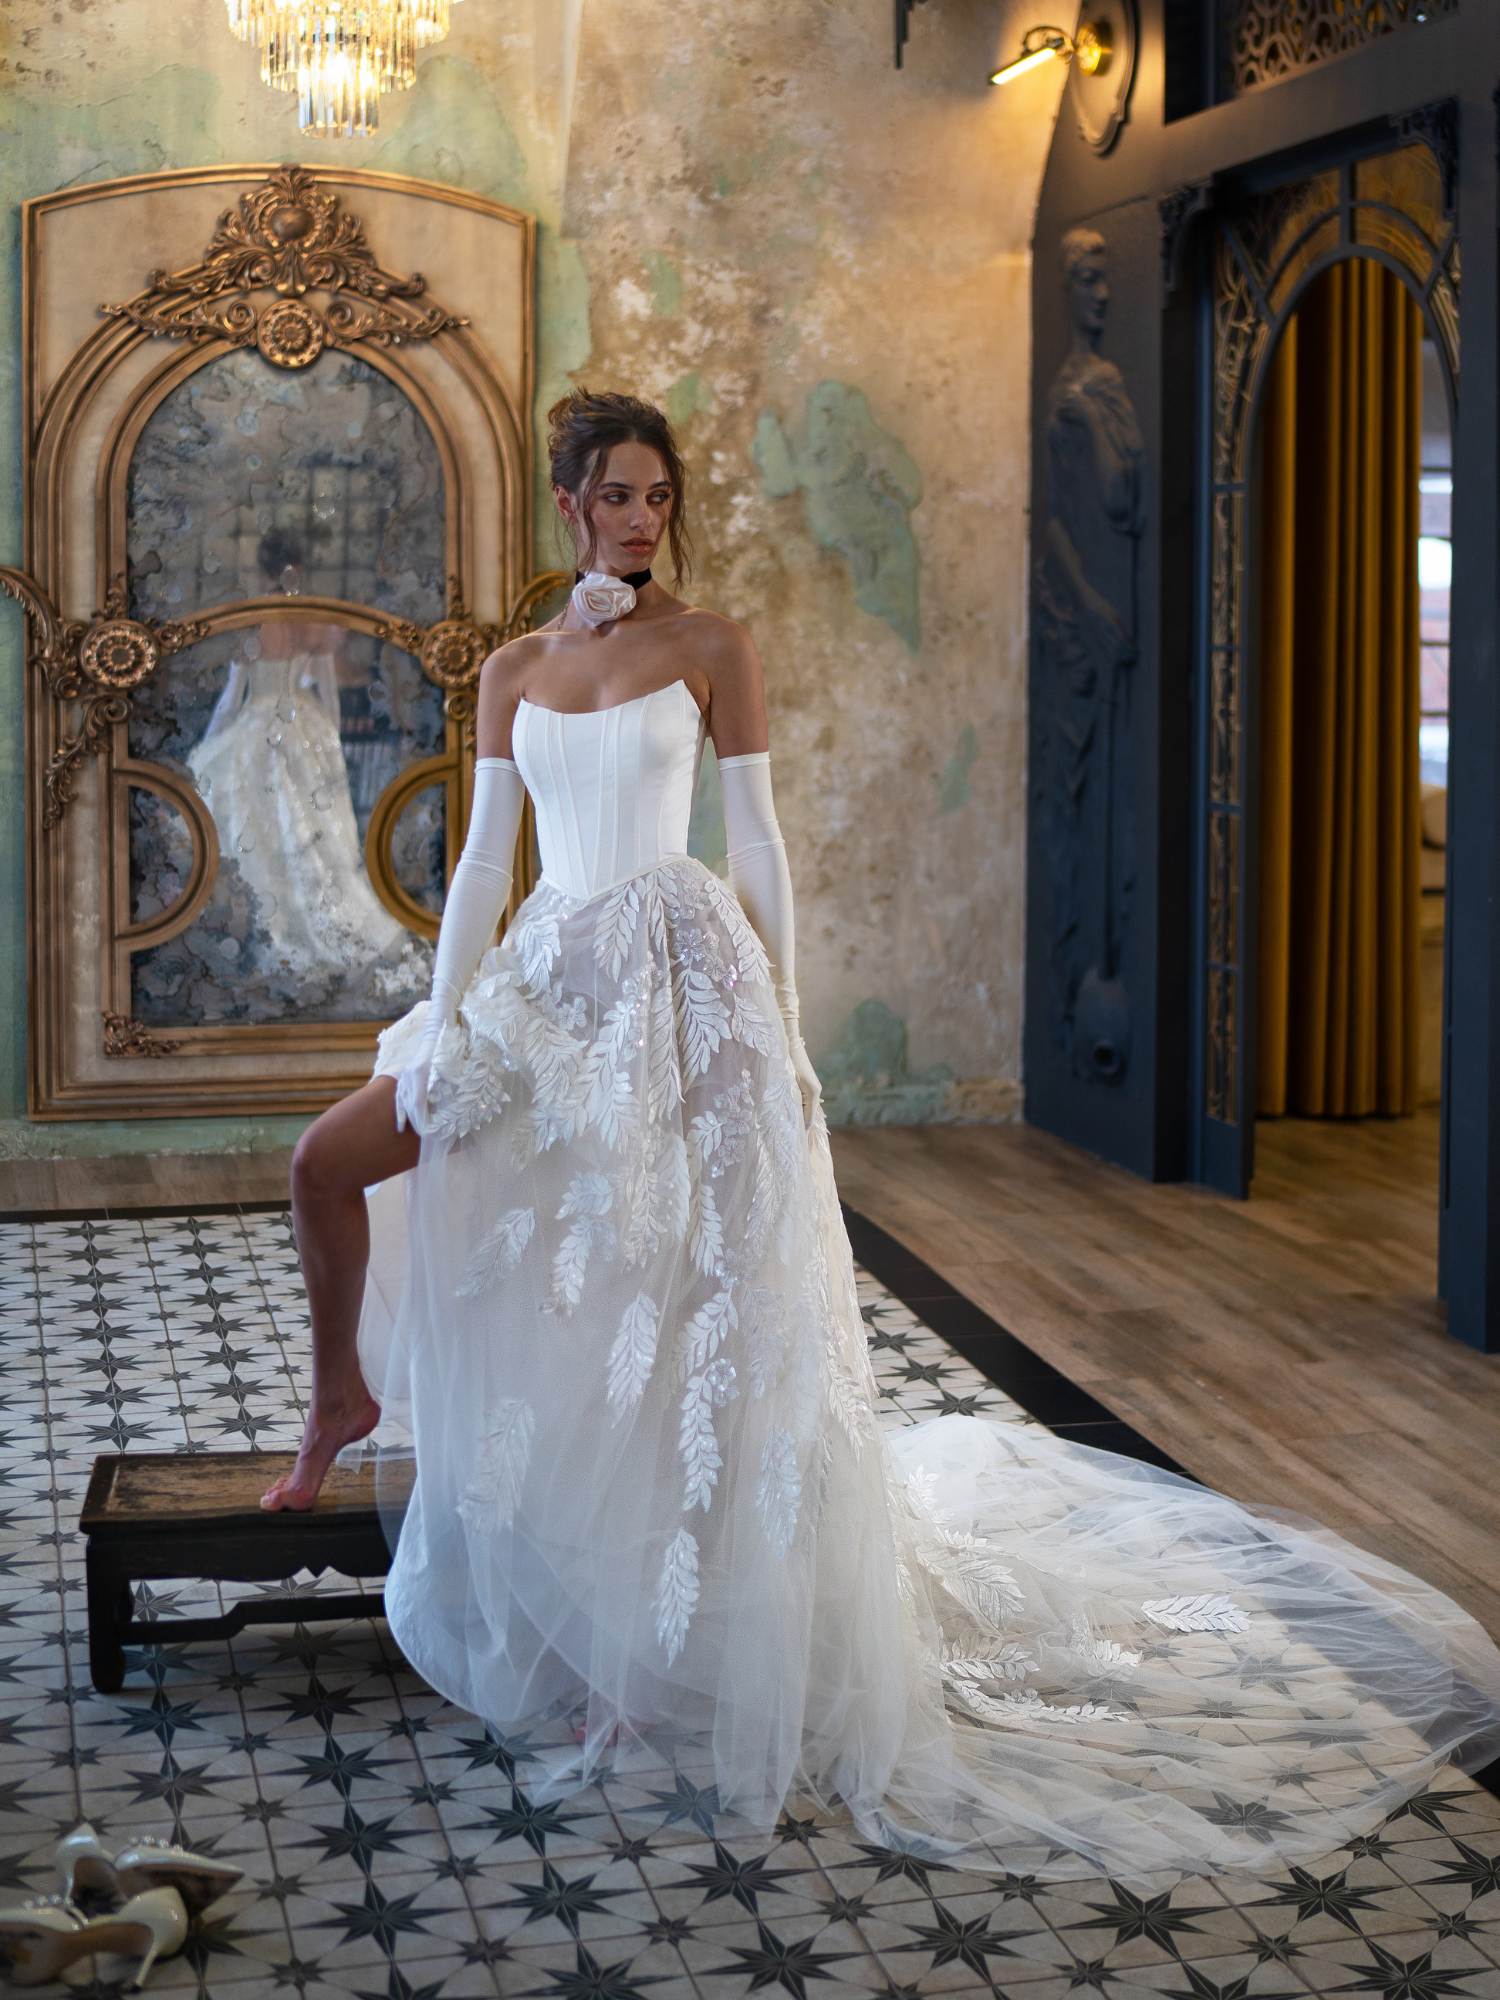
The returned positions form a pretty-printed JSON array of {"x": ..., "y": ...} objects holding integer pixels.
[{"x": 110, "y": 1601}]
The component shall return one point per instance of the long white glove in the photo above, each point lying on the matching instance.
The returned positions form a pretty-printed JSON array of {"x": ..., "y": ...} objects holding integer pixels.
[
  {"x": 761, "y": 878},
  {"x": 476, "y": 898}
]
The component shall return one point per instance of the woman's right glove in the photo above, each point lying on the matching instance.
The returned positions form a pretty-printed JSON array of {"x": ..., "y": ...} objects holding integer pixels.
[{"x": 476, "y": 898}]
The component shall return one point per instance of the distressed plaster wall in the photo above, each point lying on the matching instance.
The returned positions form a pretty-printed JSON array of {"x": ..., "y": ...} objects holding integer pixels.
[{"x": 820, "y": 265}]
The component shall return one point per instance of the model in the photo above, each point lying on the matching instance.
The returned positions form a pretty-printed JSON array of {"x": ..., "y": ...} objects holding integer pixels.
[{"x": 577, "y": 1248}]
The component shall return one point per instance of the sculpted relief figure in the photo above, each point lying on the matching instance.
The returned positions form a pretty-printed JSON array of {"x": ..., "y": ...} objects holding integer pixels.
[{"x": 1086, "y": 597}]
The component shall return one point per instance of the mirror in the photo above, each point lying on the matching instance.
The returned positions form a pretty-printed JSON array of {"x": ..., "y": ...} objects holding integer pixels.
[
  {"x": 334, "y": 460},
  {"x": 278, "y": 514}
]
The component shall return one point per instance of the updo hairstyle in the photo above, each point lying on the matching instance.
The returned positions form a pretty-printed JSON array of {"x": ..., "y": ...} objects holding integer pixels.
[
  {"x": 279, "y": 550},
  {"x": 582, "y": 427}
]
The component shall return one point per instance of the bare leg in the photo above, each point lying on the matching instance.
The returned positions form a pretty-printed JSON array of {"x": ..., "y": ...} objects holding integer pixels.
[{"x": 352, "y": 1146}]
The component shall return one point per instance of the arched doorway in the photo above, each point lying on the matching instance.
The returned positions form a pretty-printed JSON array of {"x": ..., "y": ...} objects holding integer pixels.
[
  {"x": 1350, "y": 531},
  {"x": 1268, "y": 248}
]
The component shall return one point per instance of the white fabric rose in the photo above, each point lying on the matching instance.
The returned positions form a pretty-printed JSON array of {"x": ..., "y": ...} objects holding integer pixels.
[{"x": 601, "y": 597}]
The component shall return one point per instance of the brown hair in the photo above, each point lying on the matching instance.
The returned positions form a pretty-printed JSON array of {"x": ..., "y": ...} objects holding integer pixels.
[{"x": 582, "y": 427}]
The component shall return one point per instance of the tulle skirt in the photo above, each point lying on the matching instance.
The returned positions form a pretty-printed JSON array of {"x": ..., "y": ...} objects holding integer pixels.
[{"x": 612, "y": 1316}]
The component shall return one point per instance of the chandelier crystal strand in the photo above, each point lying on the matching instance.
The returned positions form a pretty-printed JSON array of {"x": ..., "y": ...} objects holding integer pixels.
[
  {"x": 250, "y": 20},
  {"x": 431, "y": 19},
  {"x": 339, "y": 56},
  {"x": 254, "y": 21},
  {"x": 339, "y": 71},
  {"x": 339, "y": 60}
]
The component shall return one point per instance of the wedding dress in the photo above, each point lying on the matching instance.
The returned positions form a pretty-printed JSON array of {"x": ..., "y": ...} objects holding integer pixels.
[
  {"x": 613, "y": 1311},
  {"x": 270, "y": 768}
]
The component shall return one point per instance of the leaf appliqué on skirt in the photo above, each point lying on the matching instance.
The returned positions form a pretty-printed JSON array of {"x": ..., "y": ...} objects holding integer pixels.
[{"x": 489, "y": 1500}]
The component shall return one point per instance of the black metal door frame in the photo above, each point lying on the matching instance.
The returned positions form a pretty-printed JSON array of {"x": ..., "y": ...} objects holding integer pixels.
[{"x": 1261, "y": 247}]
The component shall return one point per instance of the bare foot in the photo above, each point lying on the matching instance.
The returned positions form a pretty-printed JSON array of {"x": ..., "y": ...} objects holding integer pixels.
[
  {"x": 581, "y": 1730},
  {"x": 327, "y": 1432}
]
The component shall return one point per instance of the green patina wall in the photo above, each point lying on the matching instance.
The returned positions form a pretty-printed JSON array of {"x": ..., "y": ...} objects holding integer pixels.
[
  {"x": 859, "y": 486},
  {"x": 818, "y": 265}
]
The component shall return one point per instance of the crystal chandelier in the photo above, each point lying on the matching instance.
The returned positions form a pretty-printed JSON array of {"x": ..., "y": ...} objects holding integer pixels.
[{"x": 339, "y": 56}]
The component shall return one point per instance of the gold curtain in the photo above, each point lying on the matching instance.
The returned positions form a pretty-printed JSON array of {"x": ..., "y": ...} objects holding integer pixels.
[{"x": 1340, "y": 657}]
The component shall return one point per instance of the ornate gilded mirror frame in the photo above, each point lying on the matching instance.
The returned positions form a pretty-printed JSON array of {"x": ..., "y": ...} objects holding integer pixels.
[{"x": 291, "y": 274}]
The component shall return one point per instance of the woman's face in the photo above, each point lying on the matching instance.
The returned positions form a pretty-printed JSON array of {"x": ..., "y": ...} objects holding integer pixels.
[{"x": 629, "y": 511}]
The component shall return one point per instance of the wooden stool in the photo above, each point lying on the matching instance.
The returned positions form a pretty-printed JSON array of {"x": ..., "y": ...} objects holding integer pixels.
[{"x": 169, "y": 1514}]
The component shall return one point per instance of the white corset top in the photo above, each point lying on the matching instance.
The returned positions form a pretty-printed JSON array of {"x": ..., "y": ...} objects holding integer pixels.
[{"x": 612, "y": 787}]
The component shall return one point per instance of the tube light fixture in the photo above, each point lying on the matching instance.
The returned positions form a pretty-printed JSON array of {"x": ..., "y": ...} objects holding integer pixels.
[{"x": 1090, "y": 48}]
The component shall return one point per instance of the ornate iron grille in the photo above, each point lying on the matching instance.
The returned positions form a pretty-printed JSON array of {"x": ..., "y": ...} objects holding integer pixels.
[{"x": 1260, "y": 40}]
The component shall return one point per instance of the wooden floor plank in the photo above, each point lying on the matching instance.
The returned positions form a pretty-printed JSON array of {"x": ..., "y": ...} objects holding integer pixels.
[{"x": 1288, "y": 1349}]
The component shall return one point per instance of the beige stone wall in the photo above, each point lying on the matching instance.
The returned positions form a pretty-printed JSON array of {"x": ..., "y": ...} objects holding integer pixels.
[{"x": 820, "y": 265}]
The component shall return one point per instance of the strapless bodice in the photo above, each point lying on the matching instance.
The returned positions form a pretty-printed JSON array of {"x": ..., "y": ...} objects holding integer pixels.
[{"x": 612, "y": 787}]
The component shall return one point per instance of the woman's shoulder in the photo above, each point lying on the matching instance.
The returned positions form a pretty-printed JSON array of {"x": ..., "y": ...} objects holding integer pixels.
[
  {"x": 510, "y": 660},
  {"x": 714, "y": 634},
  {"x": 723, "y": 651}
]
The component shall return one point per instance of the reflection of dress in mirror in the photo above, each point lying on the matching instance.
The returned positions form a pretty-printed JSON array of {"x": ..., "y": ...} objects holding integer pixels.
[{"x": 270, "y": 767}]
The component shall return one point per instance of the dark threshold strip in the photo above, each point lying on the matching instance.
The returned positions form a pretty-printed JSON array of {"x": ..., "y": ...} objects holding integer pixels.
[
  {"x": 1043, "y": 1391},
  {"x": 161, "y": 1212}
]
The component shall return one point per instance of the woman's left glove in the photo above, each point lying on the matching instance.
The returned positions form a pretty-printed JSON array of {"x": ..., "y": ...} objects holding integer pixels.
[
  {"x": 807, "y": 1077},
  {"x": 760, "y": 877}
]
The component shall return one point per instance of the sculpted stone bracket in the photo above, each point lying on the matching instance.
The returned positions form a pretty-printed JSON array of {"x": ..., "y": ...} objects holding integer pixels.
[
  {"x": 1086, "y": 589},
  {"x": 124, "y": 1037},
  {"x": 1436, "y": 127},
  {"x": 97, "y": 663},
  {"x": 289, "y": 236},
  {"x": 452, "y": 651},
  {"x": 1177, "y": 210}
]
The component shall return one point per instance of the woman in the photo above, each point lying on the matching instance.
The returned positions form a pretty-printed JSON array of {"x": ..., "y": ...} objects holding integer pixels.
[{"x": 612, "y": 1305}]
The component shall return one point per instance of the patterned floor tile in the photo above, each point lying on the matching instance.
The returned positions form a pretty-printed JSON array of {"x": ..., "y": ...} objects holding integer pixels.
[
  {"x": 1127, "y": 1929},
  {"x": 496, "y": 1825},
  {"x": 1406, "y": 1966},
  {"x": 587, "y": 1897},
  {"x": 617, "y": 1969},
  {"x": 718, "y": 1882},
  {"x": 801, "y": 1954},
  {"x": 392, "y": 1846},
  {"x": 944, "y": 1945}
]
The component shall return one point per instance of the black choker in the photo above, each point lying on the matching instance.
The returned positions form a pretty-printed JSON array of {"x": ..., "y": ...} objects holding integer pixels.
[{"x": 636, "y": 578}]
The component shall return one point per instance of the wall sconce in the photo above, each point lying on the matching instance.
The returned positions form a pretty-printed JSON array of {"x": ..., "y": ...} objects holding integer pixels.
[
  {"x": 1100, "y": 54},
  {"x": 1090, "y": 49}
]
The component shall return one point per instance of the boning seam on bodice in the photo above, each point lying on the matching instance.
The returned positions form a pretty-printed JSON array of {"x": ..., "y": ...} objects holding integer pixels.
[
  {"x": 645, "y": 868},
  {"x": 620, "y": 738}
]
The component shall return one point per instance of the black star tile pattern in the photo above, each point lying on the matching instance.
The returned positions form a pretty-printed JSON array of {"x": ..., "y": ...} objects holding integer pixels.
[{"x": 390, "y": 1844}]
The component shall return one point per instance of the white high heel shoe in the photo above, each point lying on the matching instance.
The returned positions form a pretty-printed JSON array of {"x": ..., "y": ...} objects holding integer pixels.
[
  {"x": 83, "y": 1862},
  {"x": 45, "y": 1934},
  {"x": 155, "y": 1924},
  {"x": 36, "y": 1938}
]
